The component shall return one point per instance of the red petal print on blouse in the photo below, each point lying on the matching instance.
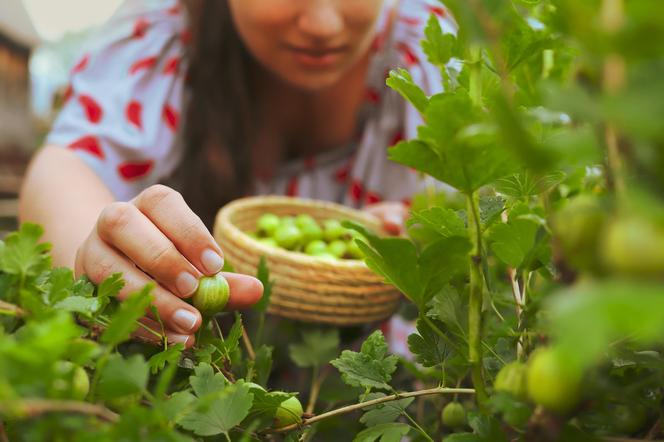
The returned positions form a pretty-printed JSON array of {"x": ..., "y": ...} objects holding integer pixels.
[
  {"x": 356, "y": 191},
  {"x": 134, "y": 113},
  {"x": 407, "y": 202},
  {"x": 408, "y": 54},
  {"x": 378, "y": 42},
  {"x": 373, "y": 198},
  {"x": 438, "y": 10},
  {"x": 372, "y": 95},
  {"x": 171, "y": 117},
  {"x": 174, "y": 10},
  {"x": 171, "y": 66},
  {"x": 131, "y": 171},
  {"x": 411, "y": 21},
  {"x": 82, "y": 64},
  {"x": 92, "y": 109},
  {"x": 140, "y": 28},
  {"x": 90, "y": 145},
  {"x": 341, "y": 175},
  {"x": 143, "y": 63},
  {"x": 292, "y": 187},
  {"x": 68, "y": 93},
  {"x": 397, "y": 138},
  {"x": 309, "y": 163},
  {"x": 185, "y": 37}
]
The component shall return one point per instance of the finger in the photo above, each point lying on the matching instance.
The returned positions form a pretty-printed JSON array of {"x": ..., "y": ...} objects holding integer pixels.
[
  {"x": 169, "y": 212},
  {"x": 150, "y": 331},
  {"x": 127, "y": 229},
  {"x": 99, "y": 261},
  {"x": 245, "y": 291}
]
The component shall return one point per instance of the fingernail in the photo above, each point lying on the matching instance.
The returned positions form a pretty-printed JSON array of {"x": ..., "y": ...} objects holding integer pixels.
[
  {"x": 186, "y": 283},
  {"x": 179, "y": 339},
  {"x": 212, "y": 261},
  {"x": 185, "y": 319}
]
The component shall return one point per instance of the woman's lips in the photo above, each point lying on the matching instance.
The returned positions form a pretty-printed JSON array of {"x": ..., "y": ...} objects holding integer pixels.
[{"x": 317, "y": 58}]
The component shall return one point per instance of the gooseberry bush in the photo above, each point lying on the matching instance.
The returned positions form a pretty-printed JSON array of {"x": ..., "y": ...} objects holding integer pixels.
[{"x": 536, "y": 282}]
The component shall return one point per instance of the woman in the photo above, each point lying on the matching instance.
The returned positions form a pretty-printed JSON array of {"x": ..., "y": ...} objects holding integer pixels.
[{"x": 273, "y": 96}]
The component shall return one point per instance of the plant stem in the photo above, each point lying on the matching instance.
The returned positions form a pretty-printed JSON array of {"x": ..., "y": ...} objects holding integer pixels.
[
  {"x": 475, "y": 85},
  {"x": 418, "y": 427},
  {"x": 392, "y": 397},
  {"x": 11, "y": 309},
  {"x": 247, "y": 343},
  {"x": 35, "y": 407},
  {"x": 317, "y": 380},
  {"x": 476, "y": 298}
]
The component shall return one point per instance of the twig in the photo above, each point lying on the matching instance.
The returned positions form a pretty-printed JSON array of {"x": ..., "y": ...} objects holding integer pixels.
[
  {"x": 3, "y": 433},
  {"x": 11, "y": 309},
  {"x": 316, "y": 383},
  {"x": 392, "y": 397},
  {"x": 35, "y": 407},
  {"x": 247, "y": 343}
]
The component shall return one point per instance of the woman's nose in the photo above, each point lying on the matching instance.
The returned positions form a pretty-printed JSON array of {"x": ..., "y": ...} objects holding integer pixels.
[{"x": 321, "y": 19}]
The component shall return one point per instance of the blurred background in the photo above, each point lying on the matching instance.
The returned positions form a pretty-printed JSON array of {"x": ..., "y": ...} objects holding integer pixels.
[{"x": 40, "y": 41}]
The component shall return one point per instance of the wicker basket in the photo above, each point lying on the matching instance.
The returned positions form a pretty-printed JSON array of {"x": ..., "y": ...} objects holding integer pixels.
[{"x": 343, "y": 292}]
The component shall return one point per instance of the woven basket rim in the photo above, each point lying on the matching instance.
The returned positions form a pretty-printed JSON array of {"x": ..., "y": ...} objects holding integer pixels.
[{"x": 223, "y": 222}]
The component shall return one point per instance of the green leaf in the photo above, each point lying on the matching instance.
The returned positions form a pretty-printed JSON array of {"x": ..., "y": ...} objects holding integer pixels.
[
  {"x": 172, "y": 354},
  {"x": 206, "y": 381},
  {"x": 383, "y": 413},
  {"x": 178, "y": 405},
  {"x": 317, "y": 349},
  {"x": 392, "y": 432},
  {"x": 222, "y": 414},
  {"x": 449, "y": 307},
  {"x": 87, "y": 307},
  {"x": 263, "y": 275},
  {"x": 525, "y": 184},
  {"x": 59, "y": 285},
  {"x": 123, "y": 377},
  {"x": 111, "y": 286},
  {"x": 603, "y": 312},
  {"x": 512, "y": 241},
  {"x": 438, "y": 47},
  {"x": 263, "y": 363},
  {"x": 418, "y": 276},
  {"x": 429, "y": 348},
  {"x": 371, "y": 367},
  {"x": 21, "y": 253},
  {"x": 445, "y": 222},
  {"x": 232, "y": 341},
  {"x": 123, "y": 322},
  {"x": 515, "y": 412},
  {"x": 266, "y": 403},
  {"x": 401, "y": 81}
]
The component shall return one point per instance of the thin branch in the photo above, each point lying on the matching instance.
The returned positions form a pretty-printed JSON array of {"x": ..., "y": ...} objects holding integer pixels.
[
  {"x": 317, "y": 382},
  {"x": 247, "y": 343},
  {"x": 11, "y": 309},
  {"x": 3, "y": 433},
  {"x": 35, "y": 407},
  {"x": 361, "y": 405}
]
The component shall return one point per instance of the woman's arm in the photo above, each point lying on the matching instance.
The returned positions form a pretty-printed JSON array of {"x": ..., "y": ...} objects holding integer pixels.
[{"x": 66, "y": 197}]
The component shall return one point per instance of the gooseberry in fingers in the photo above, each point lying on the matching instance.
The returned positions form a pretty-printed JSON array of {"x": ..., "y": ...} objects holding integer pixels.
[{"x": 212, "y": 295}]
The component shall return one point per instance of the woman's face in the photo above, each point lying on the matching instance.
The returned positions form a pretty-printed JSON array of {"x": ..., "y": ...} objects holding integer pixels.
[{"x": 310, "y": 44}]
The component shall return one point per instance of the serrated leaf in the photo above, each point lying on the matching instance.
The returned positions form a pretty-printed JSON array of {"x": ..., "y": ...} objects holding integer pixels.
[
  {"x": 265, "y": 403},
  {"x": 371, "y": 367},
  {"x": 231, "y": 341},
  {"x": 318, "y": 348},
  {"x": 87, "y": 307},
  {"x": 123, "y": 322},
  {"x": 222, "y": 414},
  {"x": 123, "y": 377},
  {"x": 392, "y": 432},
  {"x": 205, "y": 381},
  {"x": 512, "y": 241},
  {"x": 58, "y": 285},
  {"x": 111, "y": 286},
  {"x": 446, "y": 222},
  {"x": 438, "y": 46},
  {"x": 450, "y": 308},
  {"x": 22, "y": 254},
  {"x": 401, "y": 81},
  {"x": 383, "y": 413},
  {"x": 172, "y": 354},
  {"x": 263, "y": 363},
  {"x": 177, "y": 405},
  {"x": 428, "y": 348}
]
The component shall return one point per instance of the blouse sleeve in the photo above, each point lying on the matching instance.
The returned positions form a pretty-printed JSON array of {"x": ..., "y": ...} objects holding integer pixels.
[{"x": 123, "y": 103}]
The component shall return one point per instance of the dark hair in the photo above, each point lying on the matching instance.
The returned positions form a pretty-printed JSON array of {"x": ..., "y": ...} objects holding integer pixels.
[{"x": 216, "y": 166}]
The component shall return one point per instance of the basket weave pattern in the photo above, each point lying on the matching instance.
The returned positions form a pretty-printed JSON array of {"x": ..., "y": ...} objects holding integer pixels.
[{"x": 343, "y": 292}]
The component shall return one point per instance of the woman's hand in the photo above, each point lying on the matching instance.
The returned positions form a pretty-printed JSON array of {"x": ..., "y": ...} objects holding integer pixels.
[
  {"x": 393, "y": 215},
  {"x": 156, "y": 237}
]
